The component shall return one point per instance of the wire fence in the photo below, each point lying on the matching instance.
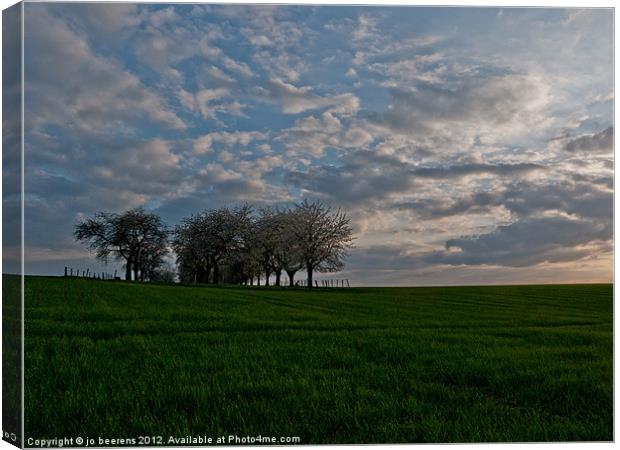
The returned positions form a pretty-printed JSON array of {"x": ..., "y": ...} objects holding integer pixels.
[
  {"x": 87, "y": 273},
  {"x": 328, "y": 283}
]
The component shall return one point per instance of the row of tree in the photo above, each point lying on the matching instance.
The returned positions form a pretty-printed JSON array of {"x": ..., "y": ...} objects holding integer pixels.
[{"x": 229, "y": 245}]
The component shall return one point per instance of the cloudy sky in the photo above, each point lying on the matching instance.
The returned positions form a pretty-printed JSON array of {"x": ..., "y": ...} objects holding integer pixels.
[{"x": 469, "y": 146}]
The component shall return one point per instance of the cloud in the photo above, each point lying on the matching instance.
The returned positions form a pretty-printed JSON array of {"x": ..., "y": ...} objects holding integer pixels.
[
  {"x": 239, "y": 67},
  {"x": 86, "y": 92},
  {"x": 164, "y": 16},
  {"x": 203, "y": 101},
  {"x": 368, "y": 175},
  {"x": 204, "y": 144},
  {"x": 523, "y": 199},
  {"x": 366, "y": 28},
  {"x": 144, "y": 167},
  {"x": 276, "y": 40},
  {"x": 210, "y": 103},
  {"x": 601, "y": 142},
  {"x": 363, "y": 177},
  {"x": 357, "y": 137},
  {"x": 282, "y": 65},
  {"x": 474, "y": 169},
  {"x": 218, "y": 76},
  {"x": 487, "y": 103},
  {"x": 295, "y": 100},
  {"x": 167, "y": 41},
  {"x": 386, "y": 258},
  {"x": 230, "y": 181},
  {"x": 114, "y": 22},
  {"x": 430, "y": 68},
  {"x": 529, "y": 242},
  {"x": 312, "y": 136}
]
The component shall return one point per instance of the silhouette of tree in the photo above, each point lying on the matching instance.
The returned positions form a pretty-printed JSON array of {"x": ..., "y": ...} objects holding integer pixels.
[
  {"x": 323, "y": 236},
  {"x": 138, "y": 237}
]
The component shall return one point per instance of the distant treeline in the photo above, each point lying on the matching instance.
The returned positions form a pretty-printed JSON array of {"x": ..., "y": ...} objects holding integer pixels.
[{"x": 225, "y": 245}]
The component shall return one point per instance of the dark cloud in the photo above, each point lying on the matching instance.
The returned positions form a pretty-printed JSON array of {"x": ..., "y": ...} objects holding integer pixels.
[
  {"x": 520, "y": 244},
  {"x": 474, "y": 169},
  {"x": 601, "y": 142},
  {"x": 581, "y": 199},
  {"x": 601, "y": 181},
  {"x": 584, "y": 199},
  {"x": 364, "y": 176},
  {"x": 386, "y": 257},
  {"x": 435, "y": 208},
  {"x": 349, "y": 187},
  {"x": 528, "y": 242},
  {"x": 490, "y": 101}
]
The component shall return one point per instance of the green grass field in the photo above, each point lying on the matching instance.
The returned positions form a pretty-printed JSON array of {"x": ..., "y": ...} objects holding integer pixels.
[{"x": 362, "y": 365}]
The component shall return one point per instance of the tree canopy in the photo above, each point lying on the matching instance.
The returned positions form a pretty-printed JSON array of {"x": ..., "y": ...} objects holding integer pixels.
[
  {"x": 232, "y": 245},
  {"x": 137, "y": 237}
]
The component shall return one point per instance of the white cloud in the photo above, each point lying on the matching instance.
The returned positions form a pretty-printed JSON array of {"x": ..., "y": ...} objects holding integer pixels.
[
  {"x": 351, "y": 73},
  {"x": 204, "y": 144},
  {"x": 209, "y": 103},
  {"x": 311, "y": 136},
  {"x": 295, "y": 100},
  {"x": 366, "y": 28},
  {"x": 166, "y": 41},
  {"x": 85, "y": 91},
  {"x": 239, "y": 67}
]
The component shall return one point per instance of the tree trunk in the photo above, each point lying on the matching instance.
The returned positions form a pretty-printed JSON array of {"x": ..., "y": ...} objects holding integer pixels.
[
  {"x": 200, "y": 275},
  {"x": 258, "y": 280},
  {"x": 278, "y": 274},
  {"x": 310, "y": 277},
  {"x": 291, "y": 277},
  {"x": 216, "y": 273},
  {"x": 128, "y": 270},
  {"x": 267, "y": 274},
  {"x": 207, "y": 273}
]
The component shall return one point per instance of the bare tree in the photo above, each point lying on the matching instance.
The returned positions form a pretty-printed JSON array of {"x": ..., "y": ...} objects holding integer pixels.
[
  {"x": 164, "y": 274},
  {"x": 268, "y": 227},
  {"x": 193, "y": 250},
  {"x": 135, "y": 236},
  {"x": 206, "y": 242},
  {"x": 288, "y": 250},
  {"x": 323, "y": 236},
  {"x": 237, "y": 246}
]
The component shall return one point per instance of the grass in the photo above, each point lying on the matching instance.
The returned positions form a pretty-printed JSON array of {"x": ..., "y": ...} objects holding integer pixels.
[
  {"x": 453, "y": 364},
  {"x": 11, "y": 359}
]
